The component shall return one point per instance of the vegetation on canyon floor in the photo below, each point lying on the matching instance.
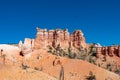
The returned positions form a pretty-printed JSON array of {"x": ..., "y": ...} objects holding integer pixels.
[{"x": 87, "y": 55}]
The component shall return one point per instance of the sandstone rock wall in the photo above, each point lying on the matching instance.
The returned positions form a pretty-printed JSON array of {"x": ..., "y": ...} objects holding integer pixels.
[
  {"x": 60, "y": 37},
  {"x": 108, "y": 51},
  {"x": 78, "y": 39},
  {"x": 28, "y": 43}
]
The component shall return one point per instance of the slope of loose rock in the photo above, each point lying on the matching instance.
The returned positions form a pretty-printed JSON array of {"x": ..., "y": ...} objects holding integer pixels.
[
  {"x": 73, "y": 69},
  {"x": 8, "y": 72},
  {"x": 42, "y": 61}
]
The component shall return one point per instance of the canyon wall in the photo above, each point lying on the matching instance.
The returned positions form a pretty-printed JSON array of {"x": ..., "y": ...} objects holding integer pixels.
[
  {"x": 59, "y": 37},
  {"x": 108, "y": 51}
]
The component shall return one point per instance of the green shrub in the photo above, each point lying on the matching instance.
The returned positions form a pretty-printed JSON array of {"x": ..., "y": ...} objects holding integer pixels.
[
  {"x": 72, "y": 55},
  {"x": 36, "y": 68},
  {"x": 25, "y": 66},
  {"x": 109, "y": 67},
  {"x": 91, "y": 76},
  {"x": 50, "y": 49}
]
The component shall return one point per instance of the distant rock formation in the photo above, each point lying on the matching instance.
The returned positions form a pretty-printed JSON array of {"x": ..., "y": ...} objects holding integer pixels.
[
  {"x": 28, "y": 43},
  {"x": 108, "y": 51},
  {"x": 64, "y": 39},
  {"x": 59, "y": 37}
]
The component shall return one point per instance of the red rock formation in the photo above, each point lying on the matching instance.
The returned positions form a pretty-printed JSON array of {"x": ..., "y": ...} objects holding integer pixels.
[
  {"x": 108, "y": 50},
  {"x": 78, "y": 39},
  {"x": 119, "y": 51},
  {"x": 111, "y": 50},
  {"x": 98, "y": 51},
  {"x": 40, "y": 38},
  {"x": 60, "y": 37}
]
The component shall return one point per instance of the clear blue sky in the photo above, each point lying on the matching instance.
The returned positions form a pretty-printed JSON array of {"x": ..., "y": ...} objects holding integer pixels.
[{"x": 98, "y": 19}]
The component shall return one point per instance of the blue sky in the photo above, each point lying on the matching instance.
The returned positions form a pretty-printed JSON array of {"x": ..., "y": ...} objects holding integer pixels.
[{"x": 98, "y": 19}]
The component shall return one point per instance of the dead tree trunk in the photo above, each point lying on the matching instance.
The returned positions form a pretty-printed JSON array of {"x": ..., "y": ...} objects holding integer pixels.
[
  {"x": 4, "y": 58},
  {"x": 61, "y": 75}
]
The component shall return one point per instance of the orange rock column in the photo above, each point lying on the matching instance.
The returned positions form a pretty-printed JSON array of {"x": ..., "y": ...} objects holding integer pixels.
[
  {"x": 98, "y": 51},
  {"x": 111, "y": 51},
  {"x": 106, "y": 51},
  {"x": 119, "y": 50}
]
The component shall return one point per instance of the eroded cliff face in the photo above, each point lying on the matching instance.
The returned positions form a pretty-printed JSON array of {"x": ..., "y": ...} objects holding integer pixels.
[
  {"x": 108, "y": 51},
  {"x": 59, "y": 37},
  {"x": 28, "y": 43},
  {"x": 77, "y": 39}
]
